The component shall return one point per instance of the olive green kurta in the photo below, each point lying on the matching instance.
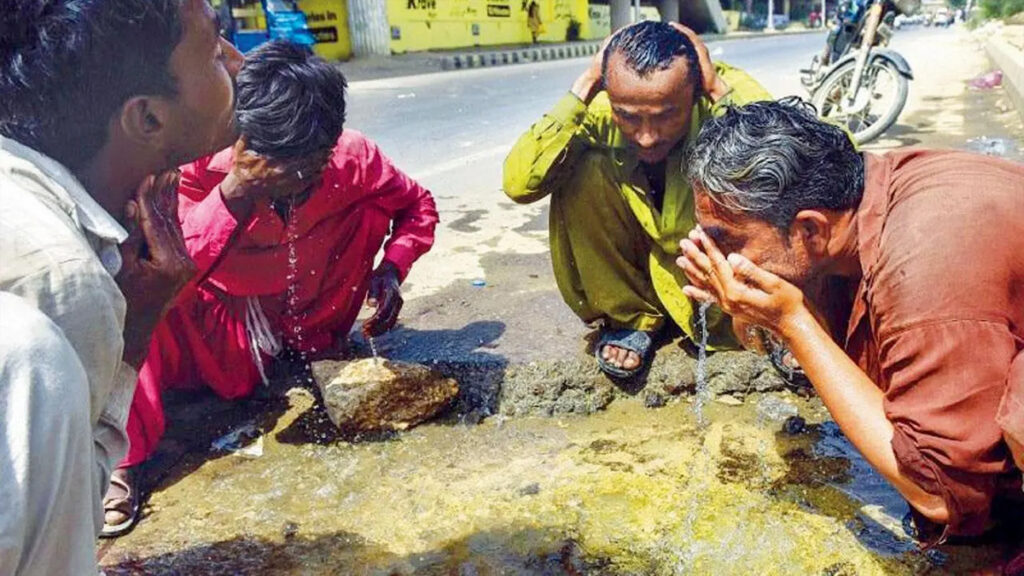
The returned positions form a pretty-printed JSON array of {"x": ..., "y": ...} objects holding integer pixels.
[{"x": 612, "y": 250}]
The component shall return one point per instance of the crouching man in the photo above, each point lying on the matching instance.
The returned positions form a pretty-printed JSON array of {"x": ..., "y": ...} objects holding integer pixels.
[
  {"x": 896, "y": 280},
  {"x": 284, "y": 228},
  {"x": 609, "y": 153}
]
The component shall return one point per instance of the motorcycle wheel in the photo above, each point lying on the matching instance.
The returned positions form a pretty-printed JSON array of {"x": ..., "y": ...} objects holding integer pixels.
[{"x": 882, "y": 96}]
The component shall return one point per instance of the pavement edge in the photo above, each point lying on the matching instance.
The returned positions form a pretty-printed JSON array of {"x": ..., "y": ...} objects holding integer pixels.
[{"x": 1010, "y": 60}]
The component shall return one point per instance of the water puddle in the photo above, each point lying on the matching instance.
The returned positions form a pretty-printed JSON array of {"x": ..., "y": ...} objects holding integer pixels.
[{"x": 685, "y": 489}]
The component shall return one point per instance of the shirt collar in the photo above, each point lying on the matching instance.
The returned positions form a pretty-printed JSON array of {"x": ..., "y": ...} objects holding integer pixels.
[
  {"x": 871, "y": 211},
  {"x": 870, "y": 219},
  {"x": 91, "y": 216}
]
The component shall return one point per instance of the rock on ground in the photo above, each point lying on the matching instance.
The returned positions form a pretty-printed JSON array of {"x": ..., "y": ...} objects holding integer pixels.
[{"x": 376, "y": 395}]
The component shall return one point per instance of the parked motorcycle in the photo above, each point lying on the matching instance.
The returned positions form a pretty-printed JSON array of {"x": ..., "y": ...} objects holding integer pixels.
[{"x": 856, "y": 80}]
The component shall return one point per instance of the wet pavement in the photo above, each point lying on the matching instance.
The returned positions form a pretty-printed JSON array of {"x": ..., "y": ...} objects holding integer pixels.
[{"x": 545, "y": 466}]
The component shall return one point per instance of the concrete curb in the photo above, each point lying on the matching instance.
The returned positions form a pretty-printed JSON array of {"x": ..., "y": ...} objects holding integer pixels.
[
  {"x": 540, "y": 53},
  {"x": 1010, "y": 60},
  {"x": 518, "y": 55}
]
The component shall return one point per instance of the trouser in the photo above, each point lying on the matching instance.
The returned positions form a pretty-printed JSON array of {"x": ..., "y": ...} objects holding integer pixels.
[
  {"x": 53, "y": 475},
  {"x": 599, "y": 252},
  {"x": 608, "y": 267}
]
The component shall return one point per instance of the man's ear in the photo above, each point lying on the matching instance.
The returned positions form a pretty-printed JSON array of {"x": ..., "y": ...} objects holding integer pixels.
[
  {"x": 144, "y": 121},
  {"x": 814, "y": 230}
]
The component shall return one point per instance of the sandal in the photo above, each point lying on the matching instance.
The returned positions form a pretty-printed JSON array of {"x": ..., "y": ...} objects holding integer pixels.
[
  {"x": 636, "y": 341},
  {"x": 121, "y": 504}
]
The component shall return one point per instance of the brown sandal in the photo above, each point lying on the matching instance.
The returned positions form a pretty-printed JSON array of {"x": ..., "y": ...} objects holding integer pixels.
[{"x": 121, "y": 502}]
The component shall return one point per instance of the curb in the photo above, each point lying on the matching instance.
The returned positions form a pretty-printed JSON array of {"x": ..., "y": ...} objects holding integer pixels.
[
  {"x": 518, "y": 56},
  {"x": 467, "y": 60},
  {"x": 1009, "y": 59}
]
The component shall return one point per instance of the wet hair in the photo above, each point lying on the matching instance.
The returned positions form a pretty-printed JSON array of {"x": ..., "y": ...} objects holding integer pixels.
[
  {"x": 651, "y": 46},
  {"x": 290, "y": 102},
  {"x": 773, "y": 159},
  {"x": 68, "y": 66}
]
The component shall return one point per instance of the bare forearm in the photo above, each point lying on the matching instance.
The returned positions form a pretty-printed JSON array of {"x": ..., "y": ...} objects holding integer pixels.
[{"x": 856, "y": 404}]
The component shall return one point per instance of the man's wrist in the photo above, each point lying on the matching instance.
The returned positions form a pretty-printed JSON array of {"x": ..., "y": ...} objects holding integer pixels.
[
  {"x": 235, "y": 199},
  {"x": 586, "y": 87},
  {"x": 796, "y": 325}
]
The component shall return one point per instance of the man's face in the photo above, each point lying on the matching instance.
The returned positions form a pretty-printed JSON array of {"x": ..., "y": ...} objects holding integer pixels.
[
  {"x": 781, "y": 252},
  {"x": 205, "y": 65},
  {"x": 653, "y": 113}
]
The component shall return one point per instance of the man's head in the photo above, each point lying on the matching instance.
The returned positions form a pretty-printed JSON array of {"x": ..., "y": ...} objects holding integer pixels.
[
  {"x": 291, "y": 104},
  {"x": 772, "y": 182},
  {"x": 149, "y": 82},
  {"x": 652, "y": 76}
]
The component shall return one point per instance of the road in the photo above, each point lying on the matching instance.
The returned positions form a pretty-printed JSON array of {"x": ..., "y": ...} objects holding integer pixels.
[{"x": 452, "y": 131}]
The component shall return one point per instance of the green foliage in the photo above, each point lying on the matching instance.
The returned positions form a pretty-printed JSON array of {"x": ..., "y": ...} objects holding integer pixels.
[{"x": 1001, "y": 8}]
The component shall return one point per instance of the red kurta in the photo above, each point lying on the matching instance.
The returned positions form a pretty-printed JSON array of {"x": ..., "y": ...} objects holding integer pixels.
[{"x": 337, "y": 234}]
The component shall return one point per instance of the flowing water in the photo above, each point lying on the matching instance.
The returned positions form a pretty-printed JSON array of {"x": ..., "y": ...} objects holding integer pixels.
[
  {"x": 627, "y": 491},
  {"x": 703, "y": 393},
  {"x": 701, "y": 489},
  {"x": 292, "y": 295}
]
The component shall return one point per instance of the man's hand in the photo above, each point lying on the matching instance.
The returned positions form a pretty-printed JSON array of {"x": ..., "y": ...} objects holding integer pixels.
[
  {"x": 156, "y": 264},
  {"x": 713, "y": 85},
  {"x": 385, "y": 295},
  {"x": 744, "y": 291},
  {"x": 254, "y": 176},
  {"x": 589, "y": 83}
]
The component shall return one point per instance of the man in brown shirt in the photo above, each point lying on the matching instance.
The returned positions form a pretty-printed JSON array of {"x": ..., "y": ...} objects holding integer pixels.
[{"x": 897, "y": 282}]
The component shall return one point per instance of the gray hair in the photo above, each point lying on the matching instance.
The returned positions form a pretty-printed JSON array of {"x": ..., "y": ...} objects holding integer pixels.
[{"x": 773, "y": 159}]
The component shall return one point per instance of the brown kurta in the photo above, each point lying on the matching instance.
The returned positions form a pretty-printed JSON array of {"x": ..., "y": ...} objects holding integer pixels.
[{"x": 938, "y": 319}]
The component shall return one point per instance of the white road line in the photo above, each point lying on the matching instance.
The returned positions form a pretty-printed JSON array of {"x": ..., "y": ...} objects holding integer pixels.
[{"x": 461, "y": 162}]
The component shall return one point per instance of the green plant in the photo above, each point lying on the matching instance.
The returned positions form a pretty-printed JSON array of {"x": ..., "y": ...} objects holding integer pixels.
[
  {"x": 1001, "y": 8},
  {"x": 572, "y": 31}
]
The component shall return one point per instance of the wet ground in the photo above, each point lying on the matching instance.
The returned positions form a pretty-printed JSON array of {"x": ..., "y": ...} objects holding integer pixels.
[
  {"x": 630, "y": 490},
  {"x": 545, "y": 466}
]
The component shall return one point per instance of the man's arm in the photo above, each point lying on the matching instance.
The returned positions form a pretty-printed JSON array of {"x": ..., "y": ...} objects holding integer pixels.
[
  {"x": 1011, "y": 411},
  {"x": 414, "y": 220},
  {"x": 932, "y": 434},
  {"x": 543, "y": 156}
]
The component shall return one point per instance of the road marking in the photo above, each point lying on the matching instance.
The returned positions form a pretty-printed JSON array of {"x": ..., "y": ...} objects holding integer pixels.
[{"x": 461, "y": 162}]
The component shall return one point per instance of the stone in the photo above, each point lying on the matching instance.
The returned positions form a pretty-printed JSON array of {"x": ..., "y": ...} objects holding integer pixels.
[
  {"x": 376, "y": 395},
  {"x": 729, "y": 400}
]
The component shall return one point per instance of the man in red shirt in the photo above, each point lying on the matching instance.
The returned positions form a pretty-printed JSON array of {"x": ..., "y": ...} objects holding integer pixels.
[
  {"x": 289, "y": 272},
  {"x": 896, "y": 281}
]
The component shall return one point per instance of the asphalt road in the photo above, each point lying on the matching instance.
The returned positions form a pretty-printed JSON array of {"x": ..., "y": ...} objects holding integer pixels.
[{"x": 452, "y": 130}]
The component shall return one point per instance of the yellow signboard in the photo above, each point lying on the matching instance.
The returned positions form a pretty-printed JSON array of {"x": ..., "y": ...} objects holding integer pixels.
[
  {"x": 438, "y": 24},
  {"x": 327, "y": 20}
]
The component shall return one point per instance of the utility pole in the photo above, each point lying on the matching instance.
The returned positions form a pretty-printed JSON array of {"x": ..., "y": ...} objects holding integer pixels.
[
  {"x": 771, "y": 16},
  {"x": 636, "y": 10}
]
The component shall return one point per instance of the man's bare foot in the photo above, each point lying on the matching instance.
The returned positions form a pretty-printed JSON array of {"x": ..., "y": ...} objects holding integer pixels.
[
  {"x": 622, "y": 352},
  {"x": 121, "y": 504},
  {"x": 620, "y": 357}
]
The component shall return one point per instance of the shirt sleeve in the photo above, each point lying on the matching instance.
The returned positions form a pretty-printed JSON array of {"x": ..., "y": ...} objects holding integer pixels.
[
  {"x": 206, "y": 222},
  {"x": 415, "y": 214},
  {"x": 1011, "y": 409},
  {"x": 946, "y": 379},
  {"x": 743, "y": 89},
  {"x": 536, "y": 164}
]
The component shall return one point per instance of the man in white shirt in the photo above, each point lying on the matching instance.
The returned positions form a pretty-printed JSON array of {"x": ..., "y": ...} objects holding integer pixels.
[{"x": 96, "y": 96}]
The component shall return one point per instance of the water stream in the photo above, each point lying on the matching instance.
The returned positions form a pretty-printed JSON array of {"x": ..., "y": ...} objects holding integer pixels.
[{"x": 680, "y": 490}]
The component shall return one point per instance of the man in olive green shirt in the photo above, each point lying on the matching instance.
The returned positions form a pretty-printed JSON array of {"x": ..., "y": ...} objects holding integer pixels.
[{"x": 611, "y": 155}]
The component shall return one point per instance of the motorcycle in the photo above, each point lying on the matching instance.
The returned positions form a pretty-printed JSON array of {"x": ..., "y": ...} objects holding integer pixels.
[{"x": 857, "y": 81}]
